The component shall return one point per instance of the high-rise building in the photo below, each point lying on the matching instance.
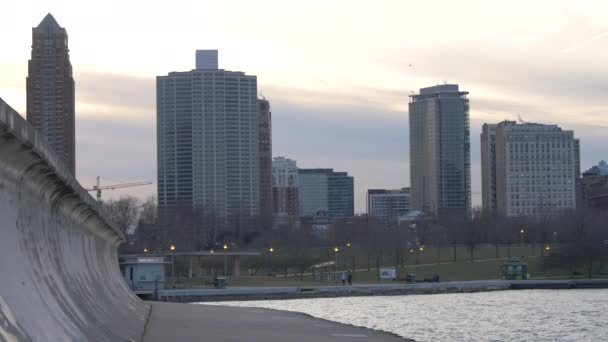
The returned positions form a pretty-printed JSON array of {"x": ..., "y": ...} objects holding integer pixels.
[
  {"x": 488, "y": 167},
  {"x": 207, "y": 129},
  {"x": 536, "y": 169},
  {"x": 325, "y": 192},
  {"x": 284, "y": 187},
  {"x": 50, "y": 90},
  {"x": 387, "y": 205},
  {"x": 265, "y": 159},
  {"x": 440, "y": 166}
]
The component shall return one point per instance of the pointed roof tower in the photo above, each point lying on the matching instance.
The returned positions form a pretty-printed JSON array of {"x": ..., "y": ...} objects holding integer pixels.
[{"x": 49, "y": 25}]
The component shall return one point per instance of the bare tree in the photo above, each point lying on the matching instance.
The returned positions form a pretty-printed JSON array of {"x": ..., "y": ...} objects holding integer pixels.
[
  {"x": 123, "y": 212},
  {"x": 149, "y": 211}
]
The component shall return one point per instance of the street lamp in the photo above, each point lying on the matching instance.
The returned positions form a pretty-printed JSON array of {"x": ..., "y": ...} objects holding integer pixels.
[
  {"x": 336, "y": 250},
  {"x": 270, "y": 251},
  {"x": 547, "y": 248},
  {"x": 521, "y": 236},
  {"x": 172, "y": 248},
  {"x": 225, "y": 261},
  {"x": 145, "y": 250}
]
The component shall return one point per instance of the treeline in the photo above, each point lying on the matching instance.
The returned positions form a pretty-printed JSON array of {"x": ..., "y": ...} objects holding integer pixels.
[{"x": 576, "y": 238}]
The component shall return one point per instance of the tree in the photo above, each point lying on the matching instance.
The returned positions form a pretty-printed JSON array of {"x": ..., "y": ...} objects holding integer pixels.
[
  {"x": 149, "y": 211},
  {"x": 123, "y": 212}
]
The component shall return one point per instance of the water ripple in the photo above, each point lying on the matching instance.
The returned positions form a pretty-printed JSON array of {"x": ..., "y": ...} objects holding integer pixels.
[{"x": 529, "y": 315}]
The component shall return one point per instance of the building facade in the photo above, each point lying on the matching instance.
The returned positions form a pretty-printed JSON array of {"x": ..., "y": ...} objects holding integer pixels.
[
  {"x": 440, "y": 167},
  {"x": 387, "y": 205},
  {"x": 50, "y": 90},
  {"x": 594, "y": 187},
  {"x": 325, "y": 192},
  {"x": 207, "y": 130},
  {"x": 284, "y": 187},
  {"x": 265, "y": 159},
  {"x": 536, "y": 169},
  {"x": 488, "y": 167}
]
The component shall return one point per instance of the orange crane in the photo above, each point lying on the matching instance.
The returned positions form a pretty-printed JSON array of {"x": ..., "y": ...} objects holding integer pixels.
[{"x": 98, "y": 187}]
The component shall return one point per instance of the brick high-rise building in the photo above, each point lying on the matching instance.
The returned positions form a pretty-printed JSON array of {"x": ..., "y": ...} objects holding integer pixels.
[
  {"x": 265, "y": 160},
  {"x": 50, "y": 90},
  {"x": 284, "y": 187}
]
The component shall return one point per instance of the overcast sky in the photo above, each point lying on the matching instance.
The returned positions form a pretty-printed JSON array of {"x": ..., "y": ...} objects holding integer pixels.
[{"x": 337, "y": 73}]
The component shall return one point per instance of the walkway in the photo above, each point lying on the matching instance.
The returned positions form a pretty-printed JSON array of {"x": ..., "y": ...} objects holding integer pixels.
[{"x": 194, "y": 322}]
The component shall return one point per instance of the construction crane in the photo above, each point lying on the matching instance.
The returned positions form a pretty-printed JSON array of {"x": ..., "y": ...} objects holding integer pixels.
[{"x": 98, "y": 187}]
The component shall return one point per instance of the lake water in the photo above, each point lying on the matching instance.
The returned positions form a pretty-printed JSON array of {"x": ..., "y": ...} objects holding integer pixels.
[{"x": 527, "y": 315}]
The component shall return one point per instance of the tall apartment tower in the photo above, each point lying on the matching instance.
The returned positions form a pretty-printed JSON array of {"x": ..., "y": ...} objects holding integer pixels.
[
  {"x": 207, "y": 130},
  {"x": 325, "y": 191},
  {"x": 537, "y": 167},
  {"x": 265, "y": 159},
  {"x": 50, "y": 90},
  {"x": 285, "y": 187},
  {"x": 387, "y": 205},
  {"x": 488, "y": 167},
  {"x": 440, "y": 166}
]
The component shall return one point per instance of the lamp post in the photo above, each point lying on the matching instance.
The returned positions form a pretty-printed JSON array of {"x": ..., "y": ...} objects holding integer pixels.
[
  {"x": 172, "y": 248},
  {"x": 521, "y": 236},
  {"x": 348, "y": 246},
  {"x": 336, "y": 250},
  {"x": 225, "y": 260},
  {"x": 270, "y": 251}
]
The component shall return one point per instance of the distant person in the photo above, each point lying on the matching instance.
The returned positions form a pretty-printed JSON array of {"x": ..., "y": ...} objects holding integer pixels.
[
  {"x": 343, "y": 278},
  {"x": 350, "y": 278}
]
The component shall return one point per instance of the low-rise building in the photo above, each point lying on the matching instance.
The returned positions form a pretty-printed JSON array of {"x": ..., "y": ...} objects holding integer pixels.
[
  {"x": 323, "y": 190},
  {"x": 387, "y": 205},
  {"x": 594, "y": 187}
]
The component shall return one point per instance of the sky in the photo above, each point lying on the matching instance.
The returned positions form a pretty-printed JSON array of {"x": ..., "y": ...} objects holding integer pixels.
[{"x": 337, "y": 74}]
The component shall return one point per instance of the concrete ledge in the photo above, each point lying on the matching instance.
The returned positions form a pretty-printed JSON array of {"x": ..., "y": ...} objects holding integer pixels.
[
  {"x": 58, "y": 254},
  {"x": 263, "y": 293},
  {"x": 193, "y": 323}
]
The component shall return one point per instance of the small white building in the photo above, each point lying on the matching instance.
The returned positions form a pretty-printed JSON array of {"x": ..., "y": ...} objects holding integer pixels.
[{"x": 144, "y": 274}]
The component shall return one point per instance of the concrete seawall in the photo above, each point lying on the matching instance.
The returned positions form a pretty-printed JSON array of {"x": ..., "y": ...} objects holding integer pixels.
[
  {"x": 267, "y": 293},
  {"x": 59, "y": 277}
]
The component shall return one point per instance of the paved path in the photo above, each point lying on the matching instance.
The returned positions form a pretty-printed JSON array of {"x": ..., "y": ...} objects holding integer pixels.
[{"x": 193, "y": 322}]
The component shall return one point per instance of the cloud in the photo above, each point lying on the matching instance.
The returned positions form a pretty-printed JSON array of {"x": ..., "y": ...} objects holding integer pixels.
[{"x": 584, "y": 42}]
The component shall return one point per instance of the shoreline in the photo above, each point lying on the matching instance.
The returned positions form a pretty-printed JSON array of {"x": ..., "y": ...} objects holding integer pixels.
[
  {"x": 189, "y": 323},
  {"x": 358, "y": 290}
]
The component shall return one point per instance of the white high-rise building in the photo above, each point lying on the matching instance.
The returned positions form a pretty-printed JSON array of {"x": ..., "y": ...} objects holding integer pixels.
[
  {"x": 207, "y": 129},
  {"x": 536, "y": 168}
]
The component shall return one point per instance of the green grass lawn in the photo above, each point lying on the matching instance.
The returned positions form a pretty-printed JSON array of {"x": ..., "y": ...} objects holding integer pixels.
[{"x": 424, "y": 264}]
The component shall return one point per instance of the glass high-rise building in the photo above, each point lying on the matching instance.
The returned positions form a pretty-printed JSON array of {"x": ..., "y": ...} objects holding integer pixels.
[
  {"x": 440, "y": 166},
  {"x": 323, "y": 192},
  {"x": 207, "y": 129},
  {"x": 50, "y": 90}
]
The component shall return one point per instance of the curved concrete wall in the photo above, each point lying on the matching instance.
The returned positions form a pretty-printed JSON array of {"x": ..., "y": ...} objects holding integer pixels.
[{"x": 59, "y": 275}]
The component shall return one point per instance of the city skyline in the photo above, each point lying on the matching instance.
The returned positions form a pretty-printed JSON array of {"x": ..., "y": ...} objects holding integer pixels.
[{"x": 542, "y": 72}]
